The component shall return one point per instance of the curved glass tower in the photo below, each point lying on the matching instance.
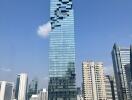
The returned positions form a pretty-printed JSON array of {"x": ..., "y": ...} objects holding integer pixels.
[{"x": 62, "y": 51}]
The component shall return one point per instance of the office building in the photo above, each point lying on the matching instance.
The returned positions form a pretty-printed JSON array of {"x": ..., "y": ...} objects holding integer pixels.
[
  {"x": 110, "y": 85},
  {"x": 21, "y": 87},
  {"x": 108, "y": 88},
  {"x": 79, "y": 94},
  {"x": 130, "y": 71},
  {"x": 79, "y": 97},
  {"x": 6, "y": 90},
  {"x": 121, "y": 59},
  {"x": 93, "y": 81},
  {"x": 43, "y": 95},
  {"x": 131, "y": 61},
  {"x": 61, "y": 51},
  {"x": 128, "y": 78},
  {"x": 33, "y": 88},
  {"x": 79, "y": 91}
]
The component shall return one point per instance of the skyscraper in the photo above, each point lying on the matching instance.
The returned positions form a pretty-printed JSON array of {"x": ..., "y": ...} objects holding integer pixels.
[
  {"x": 121, "y": 59},
  {"x": 111, "y": 90},
  {"x": 131, "y": 61},
  {"x": 21, "y": 87},
  {"x": 6, "y": 90},
  {"x": 131, "y": 70},
  {"x": 79, "y": 94},
  {"x": 93, "y": 81},
  {"x": 33, "y": 88},
  {"x": 62, "y": 51}
]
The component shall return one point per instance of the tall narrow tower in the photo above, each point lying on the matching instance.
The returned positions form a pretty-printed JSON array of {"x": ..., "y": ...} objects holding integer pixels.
[
  {"x": 62, "y": 51},
  {"x": 33, "y": 88},
  {"x": 21, "y": 87}
]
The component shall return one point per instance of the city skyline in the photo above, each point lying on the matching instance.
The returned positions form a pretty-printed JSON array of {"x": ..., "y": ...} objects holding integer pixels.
[{"x": 96, "y": 30}]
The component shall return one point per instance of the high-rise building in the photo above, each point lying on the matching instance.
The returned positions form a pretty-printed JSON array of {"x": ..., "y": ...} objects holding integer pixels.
[
  {"x": 62, "y": 51},
  {"x": 33, "y": 88},
  {"x": 110, "y": 86},
  {"x": 21, "y": 87},
  {"x": 93, "y": 81},
  {"x": 79, "y": 94},
  {"x": 43, "y": 95},
  {"x": 131, "y": 69},
  {"x": 131, "y": 60},
  {"x": 79, "y": 97},
  {"x": 121, "y": 58},
  {"x": 6, "y": 90},
  {"x": 79, "y": 91},
  {"x": 128, "y": 78}
]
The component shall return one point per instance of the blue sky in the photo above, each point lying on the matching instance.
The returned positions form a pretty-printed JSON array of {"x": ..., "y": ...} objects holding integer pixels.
[{"x": 98, "y": 24}]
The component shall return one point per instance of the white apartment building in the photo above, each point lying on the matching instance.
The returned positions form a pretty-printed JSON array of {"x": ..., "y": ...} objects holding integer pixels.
[
  {"x": 43, "y": 95},
  {"x": 93, "y": 81},
  {"x": 6, "y": 90},
  {"x": 21, "y": 87}
]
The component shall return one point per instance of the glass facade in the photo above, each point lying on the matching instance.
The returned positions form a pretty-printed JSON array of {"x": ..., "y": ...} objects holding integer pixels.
[
  {"x": 121, "y": 58},
  {"x": 62, "y": 51},
  {"x": 17, "y": 86},
  {"x": 33, "y": 88},
  {"x": 131, "y": 70},
  {"x": 131, "y": 61},
  {"x": 8, "y": 91}
]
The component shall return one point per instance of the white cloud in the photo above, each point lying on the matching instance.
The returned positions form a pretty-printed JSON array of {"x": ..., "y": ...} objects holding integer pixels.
[
  {"x": 5, "y": 69},
  {"x": 43, "y": 30}
]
